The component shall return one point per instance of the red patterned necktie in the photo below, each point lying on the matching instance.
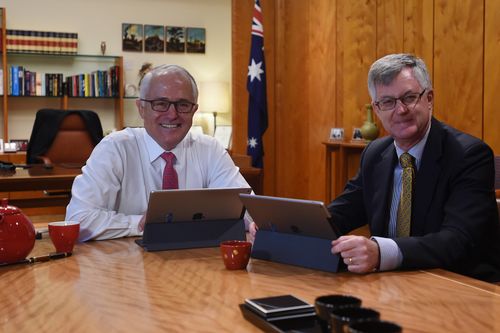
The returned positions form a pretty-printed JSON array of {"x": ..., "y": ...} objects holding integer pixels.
[{"x": 170, "y": 181}]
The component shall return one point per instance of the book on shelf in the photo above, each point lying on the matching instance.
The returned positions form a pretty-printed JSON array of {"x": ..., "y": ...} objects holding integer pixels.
[{"x": 30, "y": 41}]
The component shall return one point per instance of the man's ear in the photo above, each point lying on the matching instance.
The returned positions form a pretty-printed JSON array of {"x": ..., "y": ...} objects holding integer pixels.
[{"x": 430, "y": 96}]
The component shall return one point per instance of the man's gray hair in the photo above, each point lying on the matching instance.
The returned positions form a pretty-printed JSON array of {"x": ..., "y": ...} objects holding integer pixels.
[
  {"x": 384, "y": 71},
  {"x": 163, "y": 69}
]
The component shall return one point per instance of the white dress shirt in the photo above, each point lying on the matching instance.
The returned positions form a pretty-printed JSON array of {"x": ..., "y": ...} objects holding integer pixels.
[{"x": 111, "y": 195}]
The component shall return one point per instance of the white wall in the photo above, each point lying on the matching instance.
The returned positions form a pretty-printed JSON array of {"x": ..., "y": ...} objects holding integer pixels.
[{"x": 101, "y": 20}]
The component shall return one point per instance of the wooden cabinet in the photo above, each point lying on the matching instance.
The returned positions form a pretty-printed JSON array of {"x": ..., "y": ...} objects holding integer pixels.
[
  {"x": 342, "y": 167},
  {"x": 22, "y": 108}
]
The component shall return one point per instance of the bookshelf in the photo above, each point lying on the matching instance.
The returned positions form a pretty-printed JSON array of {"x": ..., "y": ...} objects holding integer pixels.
[{"x": 23, "y": 104}]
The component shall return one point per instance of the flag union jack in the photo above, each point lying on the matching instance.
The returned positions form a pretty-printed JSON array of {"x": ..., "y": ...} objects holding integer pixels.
[{"x": 256, "y": 86}]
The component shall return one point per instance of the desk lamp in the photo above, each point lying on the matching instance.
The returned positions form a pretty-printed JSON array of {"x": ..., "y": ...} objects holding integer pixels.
[{"x": 213, "y": 98}]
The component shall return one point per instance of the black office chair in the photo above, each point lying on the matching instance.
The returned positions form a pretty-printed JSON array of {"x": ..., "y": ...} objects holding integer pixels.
[{"x": 63, "y": 137}]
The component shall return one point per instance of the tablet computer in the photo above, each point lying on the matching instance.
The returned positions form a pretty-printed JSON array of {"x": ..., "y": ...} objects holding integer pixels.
[
  {"x": 195, "y": 205},
  {"x": 295, "y": 216}
]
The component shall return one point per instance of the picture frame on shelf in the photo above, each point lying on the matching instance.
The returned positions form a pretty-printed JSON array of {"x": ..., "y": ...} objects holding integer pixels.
[
  {"x": 175, "y": 39},
  {"x": 337, "y": 134},
  {"x": 356, "y": 134},
  {"x": 132, "y": 37},
  {"x": 21, "y": 144},
  {"x": 195, "y": 40},
  {"x": 154, "y": 38}
]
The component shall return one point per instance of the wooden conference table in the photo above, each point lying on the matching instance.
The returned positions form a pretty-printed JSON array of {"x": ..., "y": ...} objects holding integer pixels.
[{"x": 114, "y": 286}]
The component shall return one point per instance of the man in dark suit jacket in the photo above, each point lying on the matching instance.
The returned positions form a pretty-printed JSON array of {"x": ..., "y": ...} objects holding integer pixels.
[{"x": 454, "y": 218}]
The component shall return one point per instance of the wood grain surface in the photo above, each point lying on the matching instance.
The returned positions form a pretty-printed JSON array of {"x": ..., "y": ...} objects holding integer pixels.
[
  {"x": 114, "y": 286},
  {"x": 320, "y": 52}
]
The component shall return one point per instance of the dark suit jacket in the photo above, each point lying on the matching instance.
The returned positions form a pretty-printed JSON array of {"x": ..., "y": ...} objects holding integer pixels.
[{"x": 455, "y": 218}]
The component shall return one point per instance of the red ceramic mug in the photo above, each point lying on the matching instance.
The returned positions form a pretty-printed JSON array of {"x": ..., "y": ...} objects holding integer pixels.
[
  {"x": 235, "y": 253},
  {"x": 64, "y": 235}
]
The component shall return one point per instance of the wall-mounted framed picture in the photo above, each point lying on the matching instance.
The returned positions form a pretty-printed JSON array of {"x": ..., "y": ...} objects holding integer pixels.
[
  {"x": 132, "y": 37},
  {"x": 195, "y": 40},
  {"x": 154, "y": 38},
  {"x": 176, "y": 39}
]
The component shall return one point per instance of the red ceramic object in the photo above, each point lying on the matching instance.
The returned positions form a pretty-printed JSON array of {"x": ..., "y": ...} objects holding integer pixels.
[
  {"x": 17, "y": 234},
  {"x": 235, "y": 253}
]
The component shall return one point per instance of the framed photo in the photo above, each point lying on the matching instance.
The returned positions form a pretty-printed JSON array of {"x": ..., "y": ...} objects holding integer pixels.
[
  {"x": 195, "y": 40},
  {"x": 132, "y": 36},
  {"x": 223, "y": 135},
  {"x": 356, "y": 134},
  {"x": 154, "y": 38},
  {"x": 21, "y": 144},
  {"x": 337, "y": 134},
  {"x": 176, "y": 39}
]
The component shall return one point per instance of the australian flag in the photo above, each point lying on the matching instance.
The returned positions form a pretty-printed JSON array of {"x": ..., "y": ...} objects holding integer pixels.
[{"x": 256, "y": 86}]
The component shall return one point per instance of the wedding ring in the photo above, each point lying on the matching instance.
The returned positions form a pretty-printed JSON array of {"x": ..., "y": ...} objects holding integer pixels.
[{"x": 350, "y": 260}]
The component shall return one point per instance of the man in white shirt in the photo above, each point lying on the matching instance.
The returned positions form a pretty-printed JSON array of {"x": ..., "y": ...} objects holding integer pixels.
[{"x": 110, "y": 197}]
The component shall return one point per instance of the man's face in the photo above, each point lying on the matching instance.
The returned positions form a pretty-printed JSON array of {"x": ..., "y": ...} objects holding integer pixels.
[
  {"x": 168, "y": 128},
  {"x": 406, "y": 124}
]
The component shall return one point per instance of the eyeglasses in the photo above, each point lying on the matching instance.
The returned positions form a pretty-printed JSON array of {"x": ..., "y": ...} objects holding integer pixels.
[
  {"x": 409, "y": 100},
  {"x": 162, "y": 105}
]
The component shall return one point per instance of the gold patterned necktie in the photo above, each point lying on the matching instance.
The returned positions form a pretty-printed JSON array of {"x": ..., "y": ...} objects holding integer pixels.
[{"x": 405, "y": 201}]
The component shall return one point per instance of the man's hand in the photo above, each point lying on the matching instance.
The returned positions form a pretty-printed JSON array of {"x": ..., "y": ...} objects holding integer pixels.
[
  {"x": 360, "y": 254},
  {"x": 252, "y": 229},
  {"x": 141, "y": 224}
]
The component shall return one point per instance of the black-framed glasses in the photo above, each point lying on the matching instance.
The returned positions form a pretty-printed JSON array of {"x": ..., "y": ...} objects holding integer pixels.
[
  {"x": 162, "y": 105},
  {"x": 409, "y": 100}
]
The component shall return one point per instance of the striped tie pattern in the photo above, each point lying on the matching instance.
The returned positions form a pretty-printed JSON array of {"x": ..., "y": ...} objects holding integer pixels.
[
  {"x": 405, "y": 202},
  {"x": 170, "y": 180}
]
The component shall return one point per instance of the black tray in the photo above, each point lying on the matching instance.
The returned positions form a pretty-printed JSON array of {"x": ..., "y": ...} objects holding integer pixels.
[{"x": 308, "y": 324}]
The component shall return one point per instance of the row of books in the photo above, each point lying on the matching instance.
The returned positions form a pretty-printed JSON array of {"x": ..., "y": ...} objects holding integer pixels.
[
  {"x": 48, "y": 42},
  {"x": 23, "y": 82}
]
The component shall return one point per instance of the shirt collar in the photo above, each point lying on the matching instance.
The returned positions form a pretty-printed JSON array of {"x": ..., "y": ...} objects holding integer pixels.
[
  {"x": 417, "y": 150},
  {"x": 155, "y": 150}
]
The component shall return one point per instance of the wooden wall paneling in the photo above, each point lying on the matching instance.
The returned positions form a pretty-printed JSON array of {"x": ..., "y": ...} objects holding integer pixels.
[
  {"x": 389, "y": 27},
  {"x": 293, "y": 113},
  {"x": 322, "y": 25},
  {"x": 419, "y": 30},
  {"x": 492, "y": 75},
  {"x": 458, "y": 64},
  {"x": 356, "y": 51},
  {"x": 241, "y": 16}
]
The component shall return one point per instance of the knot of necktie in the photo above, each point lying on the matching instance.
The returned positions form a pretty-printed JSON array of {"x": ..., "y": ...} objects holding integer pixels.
[
  {"x": 406, "y": 160},
  {"x": 168, "y": 157}
]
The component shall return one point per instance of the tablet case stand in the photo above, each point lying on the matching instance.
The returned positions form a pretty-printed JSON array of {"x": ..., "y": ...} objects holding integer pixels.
[
  {"x": 190, "y": 234},
  {"x": 295, "y": 249}
]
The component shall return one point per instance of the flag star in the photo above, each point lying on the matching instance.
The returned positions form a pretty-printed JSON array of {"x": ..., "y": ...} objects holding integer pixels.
[
  {"x": 252, "y": 142},
  {"x": 254, "y": 70}
]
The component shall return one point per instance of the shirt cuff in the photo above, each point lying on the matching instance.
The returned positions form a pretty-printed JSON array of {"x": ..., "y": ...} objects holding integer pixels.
[
  {"x": 390, "y": 254},
  {"x": 134, "y": 223}
]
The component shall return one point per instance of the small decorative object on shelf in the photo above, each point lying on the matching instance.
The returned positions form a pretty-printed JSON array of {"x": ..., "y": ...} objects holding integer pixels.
[
  {"x": 369, "y": 130},
  {"x": 103, "y": 47}
]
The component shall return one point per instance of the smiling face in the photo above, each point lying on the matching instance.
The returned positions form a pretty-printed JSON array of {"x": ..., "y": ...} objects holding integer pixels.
[
  {"x": 167, "y": 128},
  {"x": 406, "y": 124}
]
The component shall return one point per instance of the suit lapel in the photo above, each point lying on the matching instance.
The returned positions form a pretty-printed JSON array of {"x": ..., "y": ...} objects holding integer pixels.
[
  {"x": 427, "y": 177},
  {"x": 380, "y": 202}
]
